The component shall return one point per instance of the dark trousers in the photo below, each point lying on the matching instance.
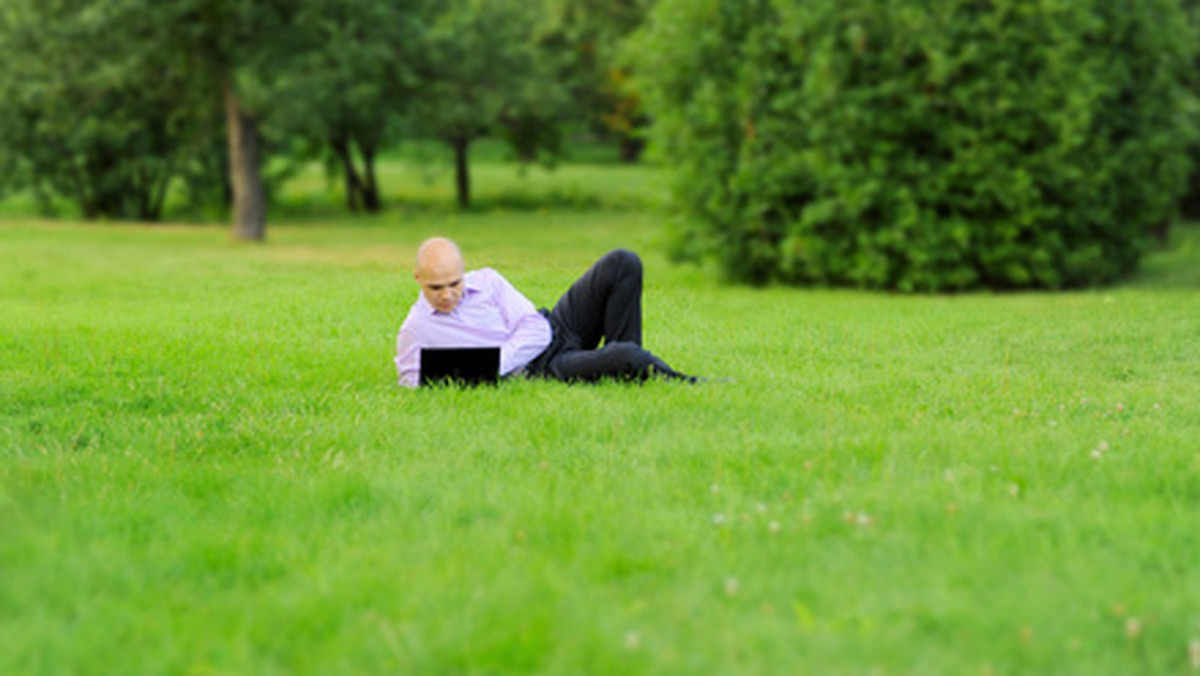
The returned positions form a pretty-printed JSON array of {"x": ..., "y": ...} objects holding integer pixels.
[{"x": 605, "y": 304}]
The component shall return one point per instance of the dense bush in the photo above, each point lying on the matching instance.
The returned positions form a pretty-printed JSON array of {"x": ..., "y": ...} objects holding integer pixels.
[{"x": 931, "y": 145}]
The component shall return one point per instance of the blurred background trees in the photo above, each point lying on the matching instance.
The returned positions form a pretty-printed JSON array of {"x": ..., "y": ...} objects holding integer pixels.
[
  {"x": 85, "y": 118},
  {"x": 597, "y": 69},
  {"x": 105, "y": 104},
  {"x": 914, "y": 146},
  {"x": 922, "y": 146},
  {"x": 481, "y": 68}
]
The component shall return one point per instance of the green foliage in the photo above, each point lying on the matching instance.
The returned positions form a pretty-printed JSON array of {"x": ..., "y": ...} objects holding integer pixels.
[
  {"x": 1190, "y": 205},
  {"x": 481, "y": 67},
  {"x": 591, "y": 34},
  {"x": 105, "y": 103},
  {"x": 83, "y": 117},
  {"x": 477, "y": 65},
  {"x": 933, "y": 145},
  {"x": 342, "y": 92}
]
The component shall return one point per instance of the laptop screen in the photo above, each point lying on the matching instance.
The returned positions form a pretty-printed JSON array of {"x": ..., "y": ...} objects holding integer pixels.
[{"x": 460, "y": 365}]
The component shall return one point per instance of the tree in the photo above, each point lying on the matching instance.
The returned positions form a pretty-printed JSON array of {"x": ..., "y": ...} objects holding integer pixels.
[
  {"x": 79, "y": 116},
  {"x": 598, "y": 72},
  {"x": 343, "y": 92},
  {"x": 479, "y": 66},
  {"x": 102, "y": 97},
  {"x": 235, "y": 47}
]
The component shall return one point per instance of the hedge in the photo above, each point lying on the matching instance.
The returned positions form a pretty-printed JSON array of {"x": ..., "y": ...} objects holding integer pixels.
[{"x": 921, "y": 145}]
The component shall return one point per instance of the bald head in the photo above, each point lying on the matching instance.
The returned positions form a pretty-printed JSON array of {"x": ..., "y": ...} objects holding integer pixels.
[
  {"x": 440, "y": 273},
  {"x": 437, "y": 251}
]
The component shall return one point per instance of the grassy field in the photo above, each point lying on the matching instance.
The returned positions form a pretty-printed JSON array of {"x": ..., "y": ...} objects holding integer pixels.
[{"x": 206, "y": 466}]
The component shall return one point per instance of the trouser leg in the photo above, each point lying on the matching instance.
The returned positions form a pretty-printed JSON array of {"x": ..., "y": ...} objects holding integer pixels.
[
  {"x": 626, "y": 361},
  {"x": 605, "y": 303}
]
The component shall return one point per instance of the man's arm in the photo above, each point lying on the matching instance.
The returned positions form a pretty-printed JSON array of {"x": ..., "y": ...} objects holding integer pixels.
[
  {"x": 528, "y": 331},
  {"x": 408, "y": 355}
]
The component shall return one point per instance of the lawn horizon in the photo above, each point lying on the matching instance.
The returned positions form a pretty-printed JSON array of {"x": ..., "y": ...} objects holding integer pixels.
[{"x": 206, "y": 466}]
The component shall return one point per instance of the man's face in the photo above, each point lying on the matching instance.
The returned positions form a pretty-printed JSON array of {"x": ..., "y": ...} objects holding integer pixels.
[{"x": 442, "y": 284}]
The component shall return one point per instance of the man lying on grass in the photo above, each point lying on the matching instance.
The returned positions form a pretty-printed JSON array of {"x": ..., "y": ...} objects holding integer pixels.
[{"x": 482, "y": 309}]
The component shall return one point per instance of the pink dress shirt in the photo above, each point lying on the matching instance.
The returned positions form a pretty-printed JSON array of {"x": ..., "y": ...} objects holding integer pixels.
[{"x": 491, "y": 313}]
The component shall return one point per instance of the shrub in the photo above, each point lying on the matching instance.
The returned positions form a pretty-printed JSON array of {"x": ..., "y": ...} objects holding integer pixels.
[{"x": 931, "y": 145}]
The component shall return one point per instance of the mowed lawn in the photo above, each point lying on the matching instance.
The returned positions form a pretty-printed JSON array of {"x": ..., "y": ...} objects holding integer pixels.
[{"x": 206, "y": 468}]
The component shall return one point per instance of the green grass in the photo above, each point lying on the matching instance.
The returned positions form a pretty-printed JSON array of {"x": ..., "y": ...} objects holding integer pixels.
[{"x": 206, "y": 468}]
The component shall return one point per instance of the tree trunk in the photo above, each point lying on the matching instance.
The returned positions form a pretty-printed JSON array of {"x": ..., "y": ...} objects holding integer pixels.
[
  {"x": 159, "y": 196},
  {"x": 462, "y": 172},
  {"x": 249, "y": 199},
  {"x": 354, "y": 188},
  {"x": 371, "y": 201},
  {"x": 631, "y": 148},
  {"x": 1161, "y": 233}
]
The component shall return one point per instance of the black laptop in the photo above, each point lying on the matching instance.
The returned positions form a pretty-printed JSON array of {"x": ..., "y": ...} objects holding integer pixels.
[{"x": 460, "y": 365}]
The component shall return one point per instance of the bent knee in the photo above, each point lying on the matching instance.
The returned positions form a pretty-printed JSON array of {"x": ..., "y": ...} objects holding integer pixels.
[{"x": 625, "y": 260}]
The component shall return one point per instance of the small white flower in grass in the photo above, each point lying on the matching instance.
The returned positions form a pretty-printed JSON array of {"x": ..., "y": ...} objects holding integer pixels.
[
  {"x": 773, "y": 527},
  {"x": 1014, "y": 490},
  {"x": 633, "y": 640},
  {"x": 863, "y": 519},
  {"x": 1096, "y": 454},
  {"x": 718, "y": 519},
  {"x": 760, "y": 508},
  {"x": 1194, "y": 653},
  {"x": 731, "y": 586},
  {"x": 1157, "y": 407},
  {"x": 948, "y": 476},
  {"x": 1133, "y": 627},
  {"x": 716, "y": 488},
  {"x": 1102, "y": 446}
]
